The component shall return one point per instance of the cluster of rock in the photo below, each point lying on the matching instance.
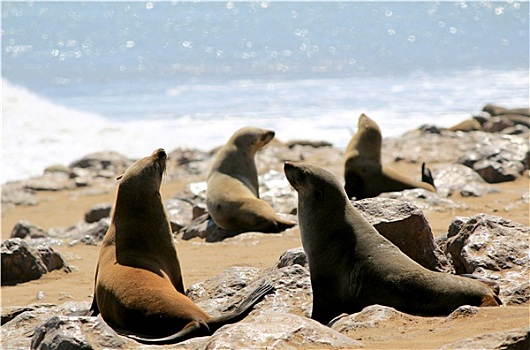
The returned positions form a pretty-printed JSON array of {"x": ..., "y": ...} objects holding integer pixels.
[
  {"x": 488, "y": 247},
  {"x": 281, "y": 320}
]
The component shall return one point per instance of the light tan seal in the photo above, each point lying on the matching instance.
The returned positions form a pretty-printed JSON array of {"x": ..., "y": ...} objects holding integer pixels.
[
  {"x": 138, "y": 284},
  {"x": 352, "y": 266},
  {"x": 365, "y": 175},
  {"x": 232, "y": 195}
]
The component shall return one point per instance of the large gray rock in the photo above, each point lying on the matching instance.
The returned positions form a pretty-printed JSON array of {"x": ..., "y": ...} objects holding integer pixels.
[
  {"x": 494, "y": 248},
  {"x": 180, "y": 213},
  {"x": 83, "y": 232},
  {"x": 424, "y": 200},
  {"x": 19, "y": 323},
  {"x": 103, "y": 161},
  {"x": 16, "y": 193},
  {"x": 274, "y": 330},
  {"x": 405, "y": 226},
  {"x": 459, "y": 178},
  {"x": 51, "y": 182},
  {"x": 22, "y": 263},
  {"x": 370, "y": 317},
  {"x": 467, "y": 148},
  {"x": 76, "y": 333}
]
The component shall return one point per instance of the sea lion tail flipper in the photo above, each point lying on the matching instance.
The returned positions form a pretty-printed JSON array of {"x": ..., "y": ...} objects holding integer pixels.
[
  {"x": 490, "y": 300},
  {"x": 426, "y": 175},
  {"x": 192, "y": 329},
  {"x": 244, "y": 308},
  {"x": 284, "y": 224}
]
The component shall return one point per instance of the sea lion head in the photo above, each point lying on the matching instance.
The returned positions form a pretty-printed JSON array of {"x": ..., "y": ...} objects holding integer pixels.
[
  {"x": 151, "y": 167},
  {"x": 369, "y": 139},
  {"x": 314, "y": 184},
  {"x": 251, "y": 138}
]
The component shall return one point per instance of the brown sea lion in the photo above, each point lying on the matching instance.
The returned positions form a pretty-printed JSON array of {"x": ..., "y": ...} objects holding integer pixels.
[
  {"x": 352, "y": 266},
  {"x": 364, "y": 174},
  {"x": 232, "y": 195},
  {"x": 138, "y": 285}
]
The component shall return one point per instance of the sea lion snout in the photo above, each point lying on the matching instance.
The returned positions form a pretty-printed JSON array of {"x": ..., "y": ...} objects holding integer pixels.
[
  {"x": 160, "y": 156},
  {"x": 268, "y": 136},
  {"x": 293, "y": 174}
]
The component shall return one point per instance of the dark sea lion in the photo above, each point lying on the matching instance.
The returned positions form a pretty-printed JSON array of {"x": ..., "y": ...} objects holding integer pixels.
[
  {"x": 352, "y": 266},
  {"x": 364, "y": 174},
  {"x": 138, "y": 285},
  {"x": 232, "y": 196}
]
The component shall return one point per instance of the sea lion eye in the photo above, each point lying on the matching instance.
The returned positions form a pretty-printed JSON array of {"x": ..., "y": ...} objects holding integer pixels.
[{"x": 254, "y": 141}]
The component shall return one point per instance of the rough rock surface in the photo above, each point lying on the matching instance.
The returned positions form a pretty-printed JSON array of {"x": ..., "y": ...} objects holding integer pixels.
[
  {"x": 494, "y": 248},
  {"x": 98, "y": 212},
  {"x": 369, "y": 317},
  {"x": 263, "y": 331},
  {"x": 504, "y": 151},
  {"x": 25, "y": 229},
  {"x": 22, "y": 263},
  {"x": 517, "y": 339},
  {"x": 404, "y": 225},
  {"x": 454, "y": 178},
  {"x": 180, "y": 213}
]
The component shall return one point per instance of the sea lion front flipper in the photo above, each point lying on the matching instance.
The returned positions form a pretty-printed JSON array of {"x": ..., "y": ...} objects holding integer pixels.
[{"x": 426, "y": 175}]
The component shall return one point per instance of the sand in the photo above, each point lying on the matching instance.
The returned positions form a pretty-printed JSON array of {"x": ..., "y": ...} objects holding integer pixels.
[{"x": 200, "y": 260}]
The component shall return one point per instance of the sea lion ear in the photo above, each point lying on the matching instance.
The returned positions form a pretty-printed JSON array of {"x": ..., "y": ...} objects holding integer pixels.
[{"x": 119, "y": 177}]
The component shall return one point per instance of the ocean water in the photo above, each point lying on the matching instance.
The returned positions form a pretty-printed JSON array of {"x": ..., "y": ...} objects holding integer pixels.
[{"x": 80, "y": 77}]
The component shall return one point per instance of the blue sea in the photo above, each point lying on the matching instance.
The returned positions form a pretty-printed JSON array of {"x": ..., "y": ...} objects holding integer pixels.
[{"x": 80, "y": 77}]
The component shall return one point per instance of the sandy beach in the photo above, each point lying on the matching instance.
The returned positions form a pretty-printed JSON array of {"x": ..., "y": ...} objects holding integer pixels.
[{"x": 201, "y": 260}]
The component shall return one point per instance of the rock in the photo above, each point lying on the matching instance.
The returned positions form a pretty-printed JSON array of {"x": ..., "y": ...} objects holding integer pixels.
[
  {"x": 278, "y": 192},
  {"x": 459, "y": 178},
  {"x": 369, "y": 317},
  {"x": 16, "y": 193},
  {"x": 424, "y": 200},
  {"x": 494, "y": 248},
  {"x": 21, "y": 263},
  {"x": 311, "y": 143},
  {"x": 24, "y": 229},
  {"x": 98, "y": 212},
  {"x": 405, "y": 226},
  {"x": 224, "y": 285},
  {"x": 89, "y": 233},
  {"x": 188, "y": 162},
  {"x": 292, "y": 289},
  {"x": 455, "y": 147},
  {"x": 516, "y": 339},
  {"x": 51, "y": 182},
  {"x": 497, "y": 124},
  {"x": 75, "y": 333},
  {"x": 462, "y": 312},
  {"x": 498, "y": 170},
  {"x": 180, "y": 213},
  {"x": 274, "y": 330},
  {"x": 102, "y": 161},
  {"x": 97, "y": 167},
  {"x": 293, "y": 256}
]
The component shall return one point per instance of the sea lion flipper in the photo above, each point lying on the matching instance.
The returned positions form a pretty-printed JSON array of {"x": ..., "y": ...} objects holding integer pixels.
[
  {"x": 194, "y": 328},
  {"x": 426, "y": 175},
  {"x": 244, "y": 308}
]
